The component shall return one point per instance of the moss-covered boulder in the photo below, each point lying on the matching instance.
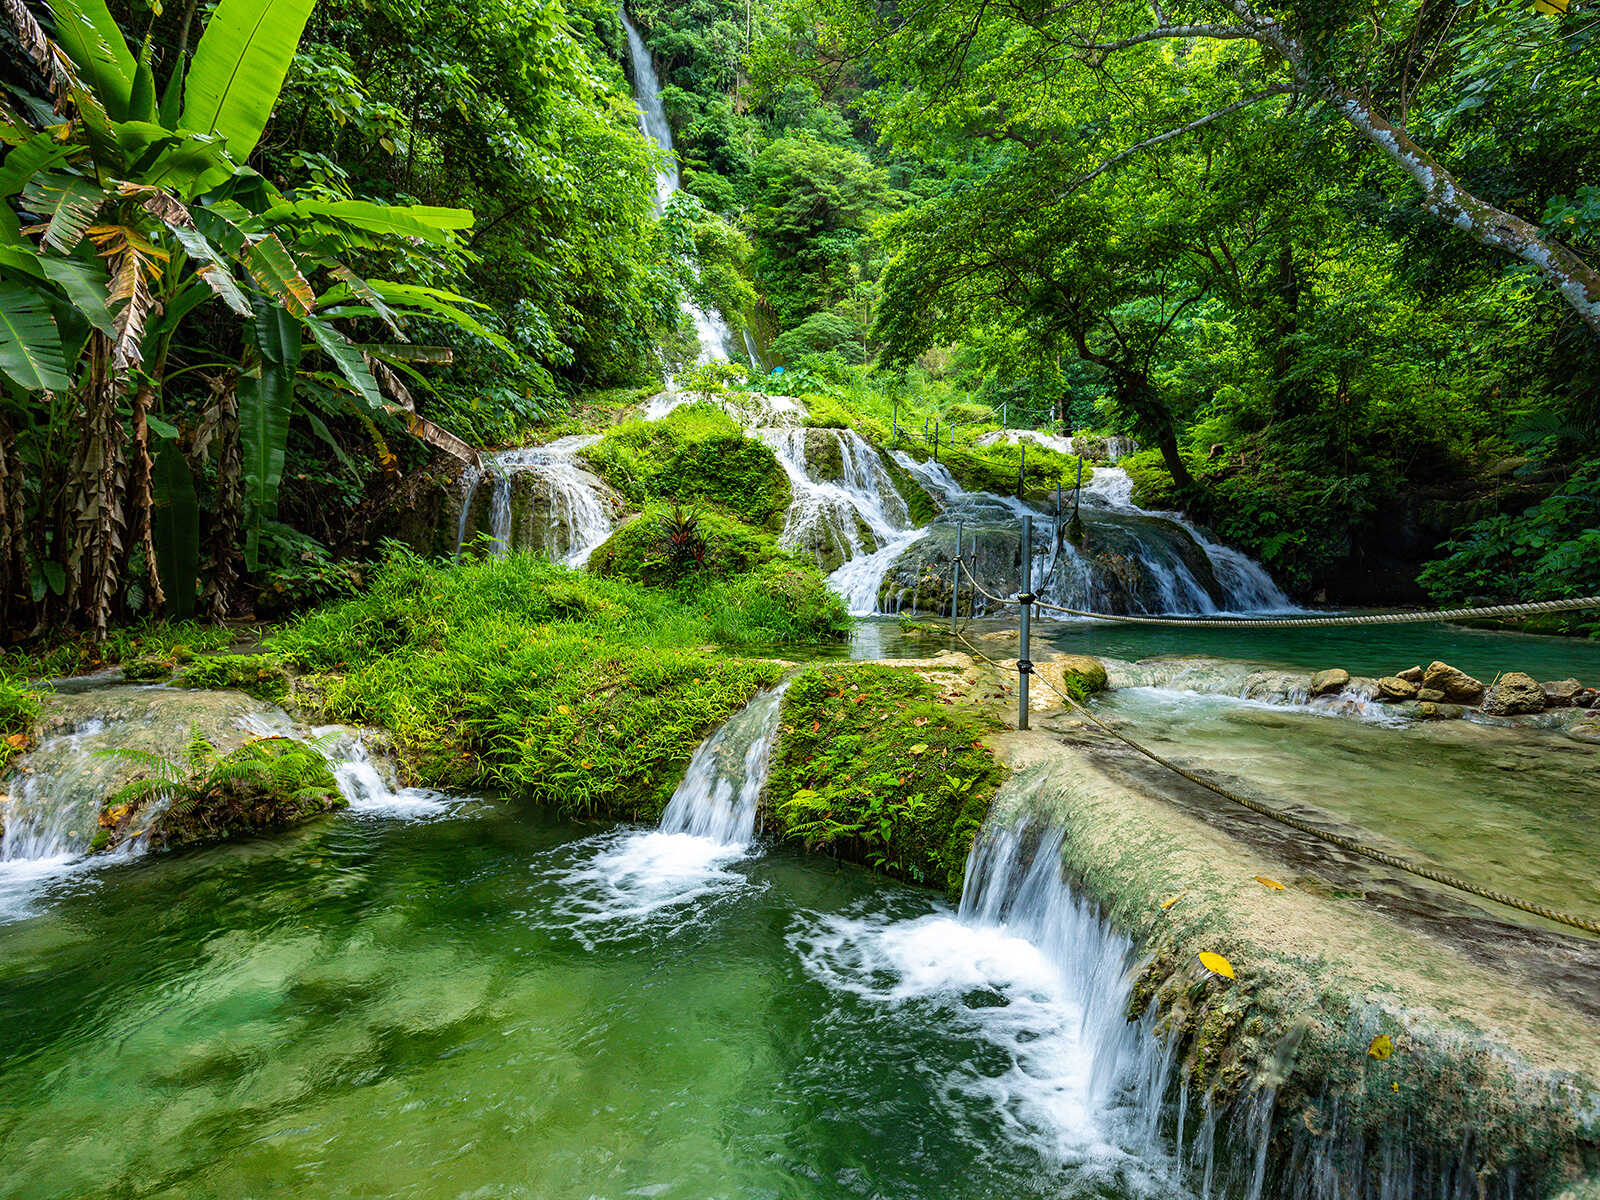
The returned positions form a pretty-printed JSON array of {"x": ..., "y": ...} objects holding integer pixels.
[
  {"x": 872, "y": 766},
  {"x": 694, "y": 455},
  {"x": 638, "y": 551},
  {"x": 1078, "y": 675}
]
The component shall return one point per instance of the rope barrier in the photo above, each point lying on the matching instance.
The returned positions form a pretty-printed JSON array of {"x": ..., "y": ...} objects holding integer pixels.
[
  {"x": 1531, "y": 608},
  {"x": 1293, "y": 822}
]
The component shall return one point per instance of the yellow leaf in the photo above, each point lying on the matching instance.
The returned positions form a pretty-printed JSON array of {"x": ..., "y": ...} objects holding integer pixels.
[
  {"x": 1272, "y": 885},
  {"x": 586, "y": 765},
  {"x": 1171, "y": 900},
  {"x": 1394, "y": 1087},
  {"x": 919, "y": 748},
  {"x": 563, "y": 710},
  {"x": 1381, "y": 1047},
  {"x": 1216, "y": 964}
]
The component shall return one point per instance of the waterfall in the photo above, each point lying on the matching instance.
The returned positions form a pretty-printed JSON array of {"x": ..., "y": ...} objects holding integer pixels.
[
  {"x": 844, "y": 510},
  {"x": 542, "y": 500},
  {"x": 56, "y": 794},
  {"x": 663, "y": 877},
  {"x": 711, "y": 331},
  {"x": 717, "y": 797}
]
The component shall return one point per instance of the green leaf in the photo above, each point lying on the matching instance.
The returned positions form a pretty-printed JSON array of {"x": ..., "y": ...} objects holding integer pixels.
[
  {"x": 416, "y": 220},
  {"x": 69, "y": 203},
  {"x": 30, "y": 344},
  {"x": 274, "y": 269},
  {"x": 84, "y": 282},
  {"x": 160, "y": 428},
  {"x": 444, "y": 305},
  {"x": 88, "y": 33},
  {"x": 239, "y": 68},
  {"x": 25, "y": 161},
  {"x": 265, "y": 401},
  {"x": 347, "y": 358},
  {"x": 142, "y": 94},
  {"x": 175, "y": 524}
]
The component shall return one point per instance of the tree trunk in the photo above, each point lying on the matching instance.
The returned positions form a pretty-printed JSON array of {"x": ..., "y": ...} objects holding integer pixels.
[
  {"x": 98, "y": 553},
  {"x": 143, "y": 499},
  {"x": 16, "y": 598},
  {"x": 222, "y": 542}
]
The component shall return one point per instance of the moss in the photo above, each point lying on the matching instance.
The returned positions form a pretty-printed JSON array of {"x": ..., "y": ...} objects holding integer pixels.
[
  {"x": 637, "y": 552},
  {"x": 695, "y": 455},
  {"x": 260, "y": 675},
  {"x": 871, "y": 766},
  {"x": 919, "y": 504},
  {"x": 148, "y": 668},
  {"x": 994, "y": 468},
  {"x": 19, "y": 717}
]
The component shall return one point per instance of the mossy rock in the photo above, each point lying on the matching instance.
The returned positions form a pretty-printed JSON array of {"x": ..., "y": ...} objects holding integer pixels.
[
  {"x": 695, "y": 455},
  {"x": 872, "y": 767},
  {"x": 921, "y": 507},
  {"x": 637, "y": 551},
  {"x": 260, "y": 675},
  {"x": 1079, "y": 675},
  {"x": 148, "y": 668}
]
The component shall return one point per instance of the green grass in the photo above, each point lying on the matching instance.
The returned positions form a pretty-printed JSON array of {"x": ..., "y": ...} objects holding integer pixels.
[
  {"x": 637, "y": 551},
  {"x": 696, "y": 455},
  {"x": 520, "y": 676},
  {"x": 19, "y": 713},
  {"x": 872, "y": 767},
  {"x": 148, "y": 643}
]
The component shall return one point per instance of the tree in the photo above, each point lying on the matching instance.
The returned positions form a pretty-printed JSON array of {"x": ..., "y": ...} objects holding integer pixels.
[{"x": 1398, "y": 77}]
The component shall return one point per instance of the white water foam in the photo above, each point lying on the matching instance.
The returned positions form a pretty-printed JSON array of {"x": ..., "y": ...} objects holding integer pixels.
[
  {"x": 664, "y": 877},
  {"x": 1034, "y": 973}
]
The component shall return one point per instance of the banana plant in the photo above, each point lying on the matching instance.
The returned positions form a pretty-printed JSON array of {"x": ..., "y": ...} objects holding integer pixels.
[{"x": 139, "y": 211}]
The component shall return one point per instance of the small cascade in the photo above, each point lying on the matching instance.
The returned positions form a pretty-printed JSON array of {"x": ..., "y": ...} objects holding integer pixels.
[
  {"x": 717, "y": 798},
  {"x": 845, "y": 509},
  {"x": 56, "y": 793},
  {"x": 711, "y": 331},
  {"x": 1129, "y": 560},
  {"x": 663, "y": 876},
  {"x": 541, "y": 499},
  {"x": 1100, "y": 449}
]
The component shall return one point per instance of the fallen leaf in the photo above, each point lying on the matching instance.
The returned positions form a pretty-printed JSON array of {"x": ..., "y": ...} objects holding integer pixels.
[
  {"x": 563, "y": 710},
  {"x": 1272, "y": 885},
  {"x": 586, "y": 765},
  {"x": 1216, "y": 964},
  {"x": 919, "y": 748},
  {"x": 1171, "y": 900},
  {"x": 17, "y": 741},
  {"x": 1381, "y": 1048}
]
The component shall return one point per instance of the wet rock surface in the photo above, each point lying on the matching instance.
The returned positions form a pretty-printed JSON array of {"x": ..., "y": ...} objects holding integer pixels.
[{"x": 1514, "y": 694}]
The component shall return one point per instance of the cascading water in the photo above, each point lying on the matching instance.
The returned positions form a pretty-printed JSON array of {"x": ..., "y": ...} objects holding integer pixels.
[
  {"x": 1129, "y": 560},
  {"x": 711, "y": 331},
  {"x": 57, "y": 791},
  {"x": 845, "y": 509},
  {"x": 708, "y": 825},
  {"x": 541, "y": 499},
  {"x": 1034, "y": 972}
]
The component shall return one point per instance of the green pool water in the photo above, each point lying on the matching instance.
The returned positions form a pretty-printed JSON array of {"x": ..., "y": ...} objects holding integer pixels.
[{"x": 477, "y": 1001}]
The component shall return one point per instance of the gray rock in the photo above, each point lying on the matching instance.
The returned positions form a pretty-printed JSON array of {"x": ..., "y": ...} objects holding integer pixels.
[
  {"x": 1329, "y": 682},
  {"x": 1458, "y": 686},
  {"x": 1392, "y": 687},
  {"x": 1410, "y": 674},
  {"x": 1513, "y": 694},
  {"x": 1561, "y": 693}
]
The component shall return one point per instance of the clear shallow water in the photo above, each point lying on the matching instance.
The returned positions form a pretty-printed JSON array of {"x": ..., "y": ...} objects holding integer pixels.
[
  {"x": 477, "y": 1001},
  {"x": 1509, "y": 808},
  {"x": 1361, "y": 650}
]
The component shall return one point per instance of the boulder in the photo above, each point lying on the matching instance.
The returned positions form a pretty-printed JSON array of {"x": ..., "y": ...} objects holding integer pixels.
[
  {"x": 1392, "y": 687},
  {"x": 1512, "y": 694},
  {"x": 1329, "y": 682},
  {"x": 1586, "y": 698},
  {"x": 1076, "y": 674},
  {"x": 1410, "y": 675},
  {"x": 1429, "y": 695},
  {"x": 1458, "y": 686},
  {"x": 1561, "y": 693}
]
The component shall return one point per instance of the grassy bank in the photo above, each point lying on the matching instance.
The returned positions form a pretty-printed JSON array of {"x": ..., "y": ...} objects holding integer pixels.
[
  {"x": 871, "y": 766},
  {"x": 515, "y": 675}
]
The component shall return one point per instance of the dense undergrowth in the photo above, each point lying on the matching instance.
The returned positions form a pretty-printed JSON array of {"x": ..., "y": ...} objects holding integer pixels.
[
  {"x": 641, "y": 550},
  {"x": 696, "y": 454},
  {"x": 515, "y": 675},
  {"x": 872, "y": 767}
]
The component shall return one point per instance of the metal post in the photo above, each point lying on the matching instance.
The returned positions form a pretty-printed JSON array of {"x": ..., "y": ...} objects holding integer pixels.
[
  {"x": 1022, "y": 469},
  {"x": 1058, "y": 512},
  {"x": 925, "y": 421},
  {"x": 1003, "y": 405},
  {"x": 1024, "y": 667},
  {"x": 1077, "y": 488},
  {"x": 955, "y": 582},
  {"x": 936, "y": 441},
  {"x": 894, "y": 421}
]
